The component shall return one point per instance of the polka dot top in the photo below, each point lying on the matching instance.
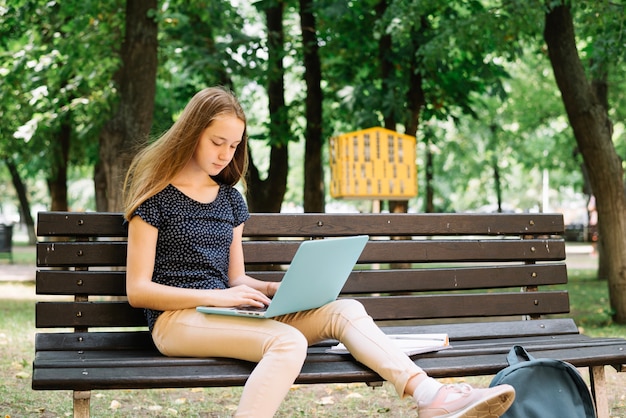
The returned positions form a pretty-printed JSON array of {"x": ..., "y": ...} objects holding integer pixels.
[{"x": 194, "y": 238}]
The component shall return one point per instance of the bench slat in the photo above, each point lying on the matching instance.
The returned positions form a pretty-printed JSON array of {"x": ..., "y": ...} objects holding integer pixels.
[
  {"x": 89, "y": 254},
  {"x": 142, "y": 340},
  {"x": 77, "y": 224},
  {"x": 113, "y": 283},
  {"x": 439, "y": 279},
  {"x": 87, "y": 314},
  {"x": 51, "y": 224},
  {"x": 381, "y": 308},
  {"x": 81, "y": 254},
  {"x": 314, "y": 225},
  {"x": 66, "y": 282},
  {"x": 151, "y": 357},
  {"x": 585, "y": 355},
  {"x": 424, "y": 251},
  {"x": 391, "y": 308}
]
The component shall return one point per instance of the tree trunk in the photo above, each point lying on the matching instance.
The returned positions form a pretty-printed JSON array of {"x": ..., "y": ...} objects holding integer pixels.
[
  {"x": 22, "y": 195},
  {"x": 386, "y": 70},
  {"x": 100, "y": 189},
  {"x": 313, "y": 172},
  {"x": 497, "y": 182},
  {"x": 57, "y": 179},
  {"x": 600, "y": 88},
  {"x": 429, "y": 204},
  {"x": 592, "y": 130},
  {"x": 267, "y": 195},
  {"x": 129, "y": 127},
  {"x": 415, "y": 100}
]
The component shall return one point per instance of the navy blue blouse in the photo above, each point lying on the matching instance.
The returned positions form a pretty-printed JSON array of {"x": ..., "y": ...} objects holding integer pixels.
[{"x": 193, "y": 244}]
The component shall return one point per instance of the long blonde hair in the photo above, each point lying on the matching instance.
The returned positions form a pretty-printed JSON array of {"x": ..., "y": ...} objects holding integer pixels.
[{"x": 153, "y": 168}]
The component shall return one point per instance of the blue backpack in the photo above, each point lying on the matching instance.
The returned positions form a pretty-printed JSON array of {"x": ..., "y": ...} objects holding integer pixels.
[{"x": 544, "y": 388}]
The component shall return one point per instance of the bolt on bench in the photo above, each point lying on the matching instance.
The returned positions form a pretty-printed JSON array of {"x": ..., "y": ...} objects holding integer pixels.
[{"x": 480, "y": 278}]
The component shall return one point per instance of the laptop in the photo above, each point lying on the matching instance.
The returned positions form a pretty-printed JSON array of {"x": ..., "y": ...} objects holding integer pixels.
[{"x": 316, "y": 275}]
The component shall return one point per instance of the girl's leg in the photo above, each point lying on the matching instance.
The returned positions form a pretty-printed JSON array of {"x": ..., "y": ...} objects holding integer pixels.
[
  {"x": 346, "y": 320},
  {"x": 278, "y": 348}
]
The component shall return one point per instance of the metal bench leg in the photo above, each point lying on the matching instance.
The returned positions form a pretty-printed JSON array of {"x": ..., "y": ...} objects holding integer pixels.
[
  {"x": 81, "y": 403},
  {"x": 597, "y": 377}
]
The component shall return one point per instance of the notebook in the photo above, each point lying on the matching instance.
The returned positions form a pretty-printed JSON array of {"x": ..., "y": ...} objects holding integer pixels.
[{"x": 316, "y": 275}]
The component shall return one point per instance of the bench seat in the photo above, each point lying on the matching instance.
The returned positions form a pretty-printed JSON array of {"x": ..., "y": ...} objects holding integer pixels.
[{"x": 123, "y": 360}]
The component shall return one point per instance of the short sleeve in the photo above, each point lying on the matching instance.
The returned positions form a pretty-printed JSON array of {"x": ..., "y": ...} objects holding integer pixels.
[
  {"x": 240, "y": 208},
  {"x": 149, "y": 212}
]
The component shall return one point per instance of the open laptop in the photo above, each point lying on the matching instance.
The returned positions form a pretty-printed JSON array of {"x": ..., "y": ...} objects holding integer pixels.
[{"x": 315, "y": 277}]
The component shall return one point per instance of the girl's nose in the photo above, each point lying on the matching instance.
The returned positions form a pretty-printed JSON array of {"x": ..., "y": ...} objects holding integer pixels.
[{"x": 226, "y": 154}]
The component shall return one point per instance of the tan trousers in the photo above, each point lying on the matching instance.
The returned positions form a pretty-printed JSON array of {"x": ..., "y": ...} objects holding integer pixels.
[{"x": 279, "y": 347}]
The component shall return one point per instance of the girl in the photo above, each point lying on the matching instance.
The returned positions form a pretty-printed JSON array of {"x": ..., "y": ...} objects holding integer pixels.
[{"x": 185, "y": 223}]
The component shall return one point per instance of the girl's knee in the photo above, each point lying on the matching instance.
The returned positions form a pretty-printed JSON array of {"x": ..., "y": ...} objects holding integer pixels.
[
  {"x": 291, "y": 342},
  {"x": 349, "y": 307}
]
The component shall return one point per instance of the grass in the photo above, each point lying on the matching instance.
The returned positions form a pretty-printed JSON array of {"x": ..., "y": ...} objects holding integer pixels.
[{"x": 588, "y": 297}]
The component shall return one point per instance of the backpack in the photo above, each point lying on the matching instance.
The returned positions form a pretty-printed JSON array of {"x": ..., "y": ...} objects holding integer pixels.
[{"x": 544, "y": 388}]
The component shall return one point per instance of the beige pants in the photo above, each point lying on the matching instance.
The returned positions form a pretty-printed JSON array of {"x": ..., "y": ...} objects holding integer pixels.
[{"x": 279, "y": 347}]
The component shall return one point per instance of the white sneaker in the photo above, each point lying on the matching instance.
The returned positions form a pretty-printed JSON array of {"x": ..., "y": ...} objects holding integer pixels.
[{"x": 463, "y": 401}]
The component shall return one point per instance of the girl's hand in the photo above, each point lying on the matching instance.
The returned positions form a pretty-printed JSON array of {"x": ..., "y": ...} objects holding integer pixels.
[
  {"x": 241, "y": 295},
  {"x": 271, "y": 288}
]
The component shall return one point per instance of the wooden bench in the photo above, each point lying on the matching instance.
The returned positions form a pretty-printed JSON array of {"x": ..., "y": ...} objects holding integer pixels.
[{"x": 481, "y": 278}]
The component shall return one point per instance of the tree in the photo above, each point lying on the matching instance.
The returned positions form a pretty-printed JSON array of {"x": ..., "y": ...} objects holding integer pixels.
[
  {"x": 22, "y": 195},
  {"x": 57, "y": 89},
  {"x": 592, "y": 129},
  {"x": 267, "y": 195},
  {"x": 313, "y": 173},
  {"x": 136, "y": 80}
]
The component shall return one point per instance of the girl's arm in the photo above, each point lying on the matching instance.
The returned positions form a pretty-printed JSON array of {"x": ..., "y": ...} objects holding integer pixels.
[
  {"x": 144, "y": 293},
  {"x": 237, "y": 271}
]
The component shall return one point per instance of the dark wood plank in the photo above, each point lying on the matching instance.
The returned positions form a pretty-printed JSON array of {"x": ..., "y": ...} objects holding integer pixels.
[
  {"x": 437, "y": 279},
  {"x": 81, "y": 254},
  {"x": 87, "y": 314},
  {"x": 96, "y": 340},
  {"x": 424, "y": 251},
  {"x": 100, "y": 283},
  {"x": 320, "y": 225},
  {"x": 80, "y": 224},
  {"x": 585, "y": 355},
  {"x": 89, "y": 254},
  {"x": 390, "y": 308},
  {"x": 315, "y": 225},
  {"x": 381, "y": 308},
  {"x": 468, "y": 331},
  {"x": 142, "y": 341},
  {"x": 113, "y": 283}
]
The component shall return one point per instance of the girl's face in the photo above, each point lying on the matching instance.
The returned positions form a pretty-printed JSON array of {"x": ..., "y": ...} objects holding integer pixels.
[{"x": 218, "y": 143}]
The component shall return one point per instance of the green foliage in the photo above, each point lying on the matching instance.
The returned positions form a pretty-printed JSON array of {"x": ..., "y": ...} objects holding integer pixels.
[
  {"x": 58, "y": 64},
  {"x": 482, "y": 64}
]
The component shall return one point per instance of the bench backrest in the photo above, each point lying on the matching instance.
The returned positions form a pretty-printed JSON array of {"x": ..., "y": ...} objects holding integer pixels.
[{"x": 415, "y": 267}]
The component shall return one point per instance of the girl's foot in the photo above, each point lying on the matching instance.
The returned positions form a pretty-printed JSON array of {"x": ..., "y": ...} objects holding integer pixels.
[{"x": 463, "y": 401}]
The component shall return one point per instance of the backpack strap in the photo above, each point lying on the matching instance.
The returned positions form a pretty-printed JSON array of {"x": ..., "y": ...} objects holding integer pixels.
[{"x": 517, "y": 355}]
